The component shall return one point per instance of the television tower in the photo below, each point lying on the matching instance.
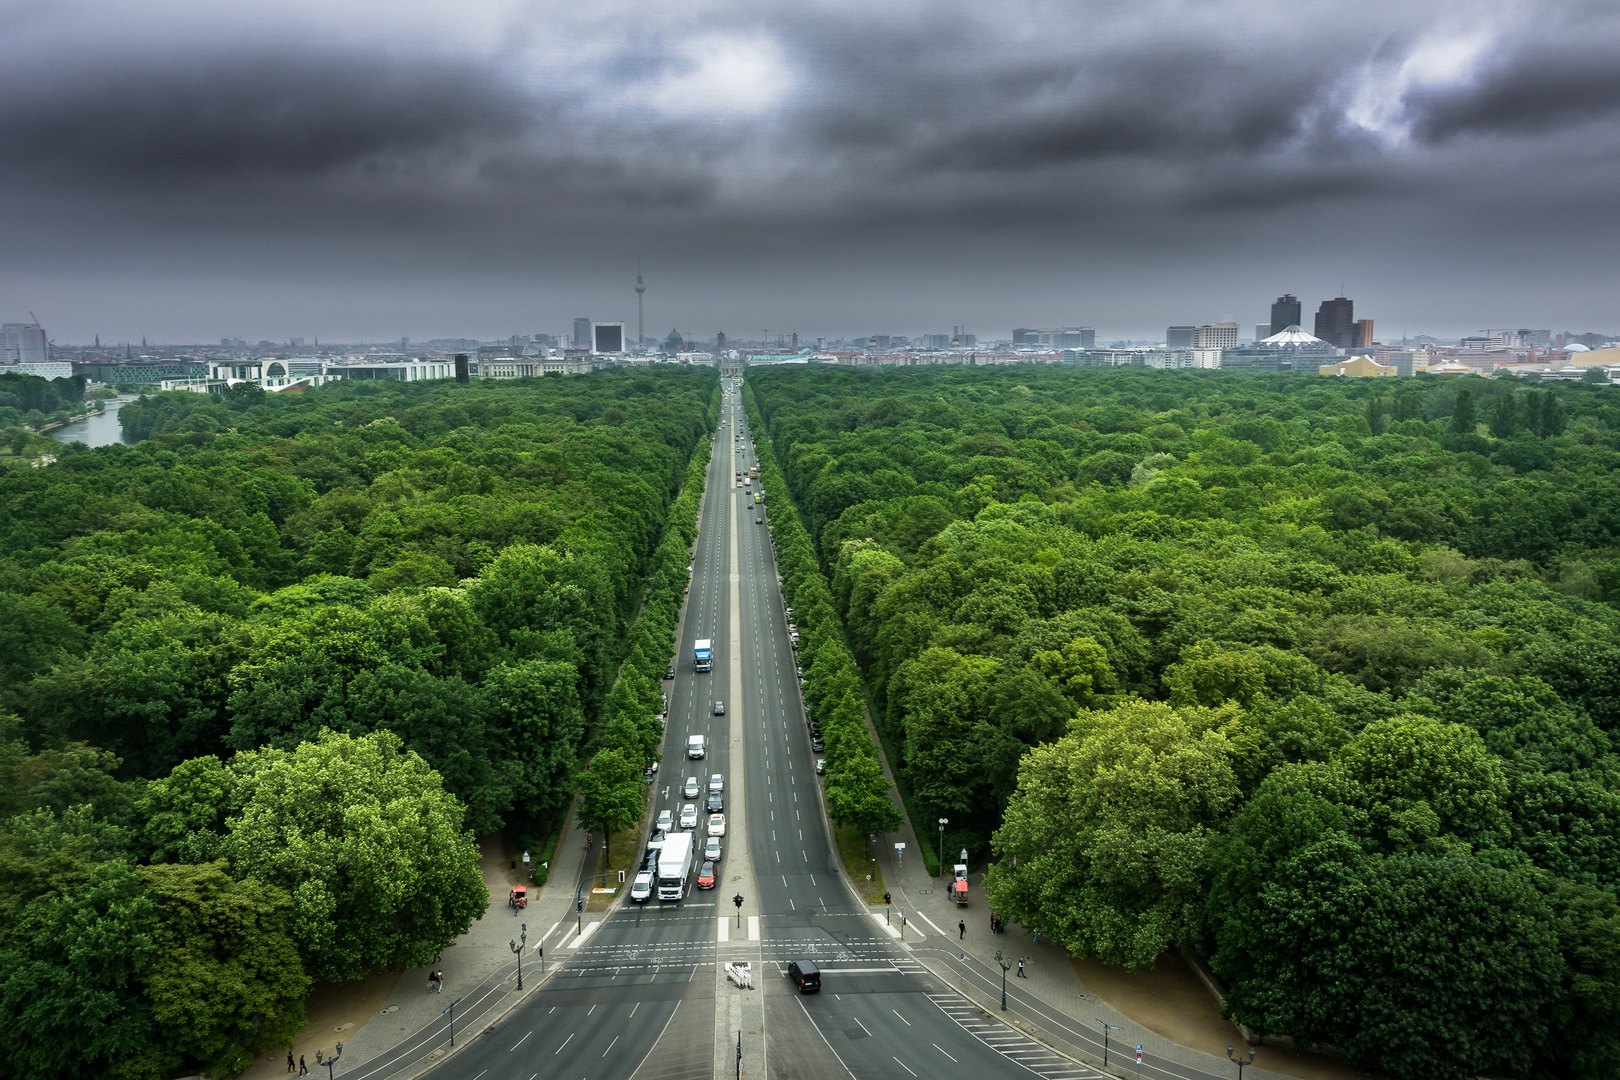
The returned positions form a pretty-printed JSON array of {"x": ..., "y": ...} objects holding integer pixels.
[{"x": 641, "y": 326}]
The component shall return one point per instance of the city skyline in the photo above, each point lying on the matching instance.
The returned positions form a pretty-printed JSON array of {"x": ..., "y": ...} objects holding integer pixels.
[{"x": 361, "y": 172}]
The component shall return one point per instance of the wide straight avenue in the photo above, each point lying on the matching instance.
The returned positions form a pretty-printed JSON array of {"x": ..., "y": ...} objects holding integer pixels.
[{"x": 642, "y": 991}]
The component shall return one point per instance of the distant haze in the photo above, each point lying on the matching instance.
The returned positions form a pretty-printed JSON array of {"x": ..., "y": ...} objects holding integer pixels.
[{"x": 365, "y": 170}]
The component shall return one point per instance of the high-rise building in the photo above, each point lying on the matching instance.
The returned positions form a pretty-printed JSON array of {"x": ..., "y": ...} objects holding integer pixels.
[
  {"x": 582, "y": 334},
  {"x": 23, "y": 343},
  {"x": 1221, "y": 335},
  {"x": 607, "y": 337},
  {"x": 1364, "y": 333},
  {"x": 1336, "y": 322},
  {"x": 1262, "y": 331},
  {"x": 1285, "y": 312},
  {"x": 1022, "y": 335},
  {"x": 1179, "y": 337}
]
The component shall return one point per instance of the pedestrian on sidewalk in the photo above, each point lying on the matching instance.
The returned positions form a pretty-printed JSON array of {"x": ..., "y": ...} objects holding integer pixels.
[
  {"x": 961, "y": 930},
  {"x": 303, "y": 1070},
  {"x": 290, "y": 1065},
  {"x": 1021, "y": 974}
]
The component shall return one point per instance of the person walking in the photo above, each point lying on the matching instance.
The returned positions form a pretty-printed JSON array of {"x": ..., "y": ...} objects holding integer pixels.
[
  {"x": 1021, "y": 974},
  {"x": 291, "y": 1066},
  {"x": 961, "y": 929},
  {"x": 303, "y": 1070}
]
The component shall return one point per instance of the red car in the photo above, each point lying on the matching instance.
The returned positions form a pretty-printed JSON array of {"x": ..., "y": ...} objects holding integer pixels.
[{"x": 706, "y": 875}]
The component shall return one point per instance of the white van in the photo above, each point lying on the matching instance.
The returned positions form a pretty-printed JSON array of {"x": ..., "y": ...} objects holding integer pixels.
[{"x": 696, "y": 747}]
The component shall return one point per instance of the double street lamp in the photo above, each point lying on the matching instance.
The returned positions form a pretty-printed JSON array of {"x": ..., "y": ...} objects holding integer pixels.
[
  {"x": 1239, "y": 1062},
  {"x": 942, "y": 823},
  {"x": 331, "y": 1062},
  {"x": 1005, "y": 967},
  {"x": 518, "y": 948}
]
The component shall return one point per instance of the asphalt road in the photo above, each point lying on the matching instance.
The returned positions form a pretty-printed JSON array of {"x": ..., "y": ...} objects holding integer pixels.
[{"x": 642, "y": 995}]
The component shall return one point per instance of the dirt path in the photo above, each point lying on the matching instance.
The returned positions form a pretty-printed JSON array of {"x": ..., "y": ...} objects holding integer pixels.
[{"x": 1169, "y": 1000}]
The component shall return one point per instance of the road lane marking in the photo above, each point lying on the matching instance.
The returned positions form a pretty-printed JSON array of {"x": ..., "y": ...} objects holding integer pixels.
[
  {"x": 902, "y": 1064},
  {"x": 863, "y": 1026},
  {"x": 903, "y": 1020},
  {"x": 725, "y": 929},
  {"x": 938, "y": 1047},
  {"x": 892, "y": 931},
  {"x": 753, "y": 928},
  {"x": 583, "y": 934},
  {"x": 610, "y": 1046},
  {"x": 565, "y": 1042},
  {"x": 520, "y": 1042}
]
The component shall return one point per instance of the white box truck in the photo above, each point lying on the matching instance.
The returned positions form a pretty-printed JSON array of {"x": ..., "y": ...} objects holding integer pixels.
[{"x": 674, "y": 866}]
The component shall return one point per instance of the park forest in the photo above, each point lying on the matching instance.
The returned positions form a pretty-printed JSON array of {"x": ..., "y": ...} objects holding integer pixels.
[
  {"x": 1318, "y": 679},
  {"x": 265, "y": 675}
]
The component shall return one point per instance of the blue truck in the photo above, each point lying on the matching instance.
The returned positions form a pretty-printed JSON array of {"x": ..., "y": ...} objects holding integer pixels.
[{"x": 703, "y": 655}]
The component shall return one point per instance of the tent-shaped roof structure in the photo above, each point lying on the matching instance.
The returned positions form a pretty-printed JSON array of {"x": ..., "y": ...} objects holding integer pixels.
[{"x": 1291, "y": 335}]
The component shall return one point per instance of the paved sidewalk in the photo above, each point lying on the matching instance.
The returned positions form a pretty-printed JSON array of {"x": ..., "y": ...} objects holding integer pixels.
[{"x": 480, "y": 969}]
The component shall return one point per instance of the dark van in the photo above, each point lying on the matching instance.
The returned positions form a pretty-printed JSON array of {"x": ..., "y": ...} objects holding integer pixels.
[{"x": 806, "y": 975}]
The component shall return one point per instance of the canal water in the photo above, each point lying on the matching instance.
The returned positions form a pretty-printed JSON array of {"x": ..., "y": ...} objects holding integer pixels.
[{"x": 99, "y": 430}]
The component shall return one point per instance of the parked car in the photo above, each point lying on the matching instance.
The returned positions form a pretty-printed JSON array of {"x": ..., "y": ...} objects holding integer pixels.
[
  {"x": 818, "y": 744},
  {"x": 669, "y": 672},
  {"x": 821, "y": 766},
  {"x": 689, "y": 816}
]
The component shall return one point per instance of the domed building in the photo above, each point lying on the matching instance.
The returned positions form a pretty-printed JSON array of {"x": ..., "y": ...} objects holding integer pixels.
[{"x": 674, "y": 342}]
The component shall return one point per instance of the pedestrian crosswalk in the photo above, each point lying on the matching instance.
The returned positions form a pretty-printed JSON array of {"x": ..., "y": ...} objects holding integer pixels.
[{"x": 1010, "y": 1042}]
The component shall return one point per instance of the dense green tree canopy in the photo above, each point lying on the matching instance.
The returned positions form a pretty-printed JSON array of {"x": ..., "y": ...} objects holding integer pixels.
[{"x": 1344, "y": 660}]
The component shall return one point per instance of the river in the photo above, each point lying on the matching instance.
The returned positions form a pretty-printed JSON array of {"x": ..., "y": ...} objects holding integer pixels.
[{"x": 99, "y": 430}]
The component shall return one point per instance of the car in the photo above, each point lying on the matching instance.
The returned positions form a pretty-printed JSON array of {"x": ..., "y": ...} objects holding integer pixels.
[
  {"x": 689, "y": 790},
  {"x": 716, "y": 802},
  {"x": 759, "y": 521},
  {"x": 717, "y": 824},
  {"x": 719, "y": 708},
  {"x": 689, "y": 816},
  {"x": 821, "y": 766},
  {"x": 696, "y": 747},
  {"x": 665, "y": 710},
  {"x": 666, "y": 820},
  {"x": 669, "y": 672},
  {"x": 717, "y": 782},
  {"x": 805, "y": 975},
  {"x": 641, "y": 888},
  {"x": 711, "y": 850},
  {"x": 705, "y": 875},
  {"x": 649, "y": 860},
  {"x": 817, "y": 743}
]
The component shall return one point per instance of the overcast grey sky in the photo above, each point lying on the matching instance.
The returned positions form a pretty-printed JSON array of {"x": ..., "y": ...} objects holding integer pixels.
[{"x": 366, "y": 169}]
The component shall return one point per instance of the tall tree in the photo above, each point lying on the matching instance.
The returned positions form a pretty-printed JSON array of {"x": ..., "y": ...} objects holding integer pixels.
[
  {"x": 1462, "y": 413},
  {"x": 372, "y": 849}
]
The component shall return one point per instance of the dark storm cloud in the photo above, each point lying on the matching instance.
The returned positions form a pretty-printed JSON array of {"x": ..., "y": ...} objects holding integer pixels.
[
  {"x": 249, "y": 113},
  {"x": 1051, "y": 132},
  {"x": 1529, "y": 92}
]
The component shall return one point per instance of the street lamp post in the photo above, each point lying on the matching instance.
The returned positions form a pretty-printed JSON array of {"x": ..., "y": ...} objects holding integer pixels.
[
  {"x": 331, "y": 1062},
  {"x": 518, "y": 948},
  {"x": 1005, "y": 967},
  {"x": 1239, "y": 1062},
  {"x": 1107, "y": 1027},
  {"x": 451, "y": 1010},
  {"x": 942, "y": 823}
]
